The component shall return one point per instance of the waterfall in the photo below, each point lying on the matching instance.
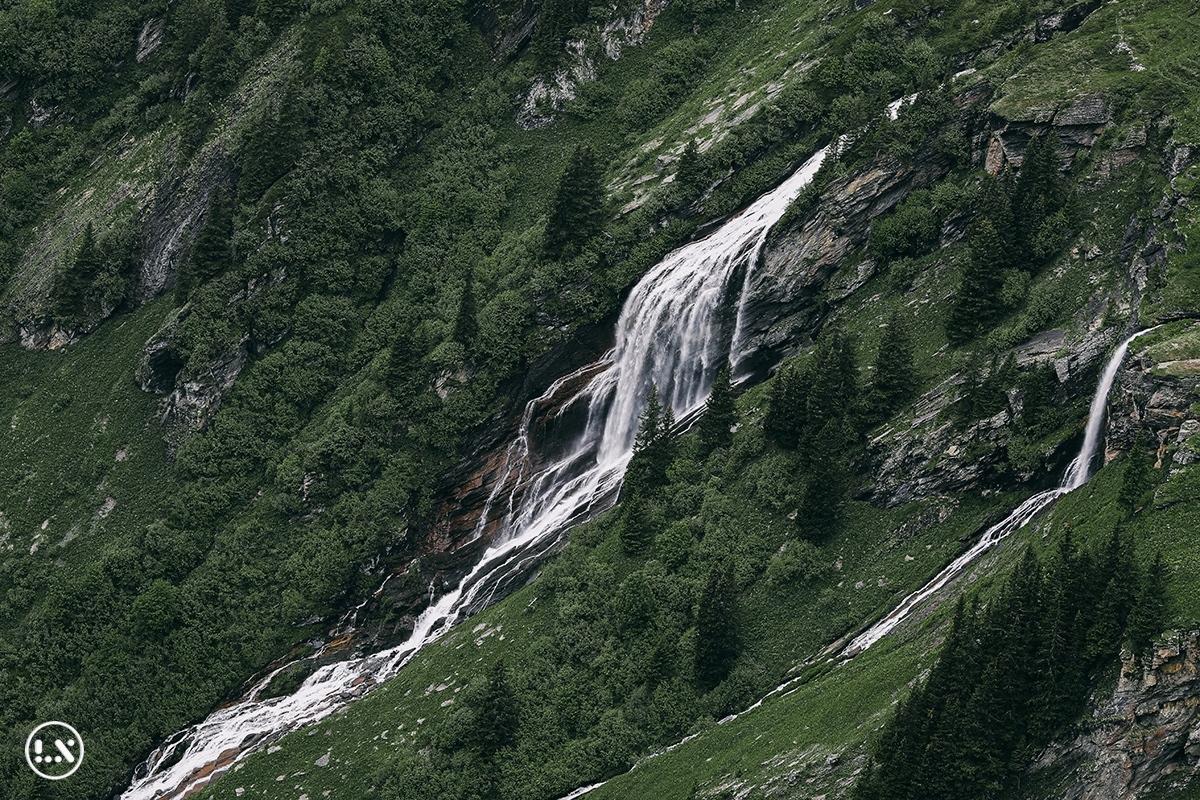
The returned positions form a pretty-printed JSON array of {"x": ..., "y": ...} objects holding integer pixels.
[
  {"x": 672, "y": 334},
  {"x": 1076, "y": 475}
]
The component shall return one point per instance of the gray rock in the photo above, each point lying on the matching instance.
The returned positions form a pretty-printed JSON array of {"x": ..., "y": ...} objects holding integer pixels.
[
  {"x": 1090, "y": 110},
  {"x": 1146, "y": 401},
  {"x": 1145, "y": 732},
  {"x": 150, "y": 38}
]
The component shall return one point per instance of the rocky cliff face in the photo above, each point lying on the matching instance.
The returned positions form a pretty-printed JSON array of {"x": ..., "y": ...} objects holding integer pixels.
[
  {"x": 151, "y": 181},
  {"x": 1159, "y": 400},
  {"x": 1144, "y": 737},
  {"x": 547, "y": 95}
]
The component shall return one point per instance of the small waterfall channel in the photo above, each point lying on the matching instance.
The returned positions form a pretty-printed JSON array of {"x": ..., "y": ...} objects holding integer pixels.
[{"x": 1076, "y": 475}]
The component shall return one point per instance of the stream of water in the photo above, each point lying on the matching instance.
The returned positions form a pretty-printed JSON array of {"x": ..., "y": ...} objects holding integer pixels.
[
  {"x": 672, "y": 336},
  {"x": 1077, "y": 474}
]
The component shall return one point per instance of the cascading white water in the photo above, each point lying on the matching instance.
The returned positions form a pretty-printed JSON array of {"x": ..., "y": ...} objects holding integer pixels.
[
  {"x": 1076, "y": 475},
  {"x": 671, "y": 335}
]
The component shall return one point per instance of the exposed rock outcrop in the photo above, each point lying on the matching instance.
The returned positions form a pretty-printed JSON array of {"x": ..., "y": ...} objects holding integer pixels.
[
  {"x": 150, "y": 38},
  {"x": 1145, "y": 736},
  {"x": 780, "y": 303},
  {"x": 154, "y": 183},
  {"x": 548, "y": 94},
  {"x": 506, "y": 30},
  {"x": 189, "y": 399},
  {"x": 1159, "y": 401},
  {"x": 1075, "y": 127}
]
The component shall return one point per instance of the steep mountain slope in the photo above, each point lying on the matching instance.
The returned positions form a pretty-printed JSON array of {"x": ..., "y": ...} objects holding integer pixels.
[{"x": 333, "y": 240}]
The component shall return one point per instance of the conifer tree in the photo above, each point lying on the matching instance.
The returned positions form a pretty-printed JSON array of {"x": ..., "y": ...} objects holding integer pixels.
[
  {"x": 1009, "y": 678},
  {"x": 272, "y": 147},
  {"x": 720, "y": 414},
  {"x": 496, "y": 713},
  {"x": 995, "y": 205},
  {"x": 1149, "y": 615},
  {"x": 636, "y": 528},
  {"x": 977, "y": 304},
  {"x": 555, "y": 21},
  {"x": 833, "y": 407},
  {"x": 1036, "y": 197},
  {"x": 653, "y": 448},
  {"x": 76, "y": 281},
  {"x": 716, "y": 626},
  {"x": 825, "y": 494},
  {"x": 1038, "y": 389},
  {"x": 786, "y": 406},
  {"x": 465, "y": 326},
  {"x": 212, "y": 252},
  {"x": 893, "y": 379},
  {"x": 689, "y": 175},
  {"x": 577, "y": 212},
  {"x": 1137, "y": 481}
]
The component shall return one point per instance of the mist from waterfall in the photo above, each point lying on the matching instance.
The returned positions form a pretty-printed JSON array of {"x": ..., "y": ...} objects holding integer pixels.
[{"x": 672, "y": 336}]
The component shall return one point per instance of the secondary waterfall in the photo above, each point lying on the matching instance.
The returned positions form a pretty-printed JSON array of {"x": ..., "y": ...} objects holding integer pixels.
[
  {"x": 672, "y": 334},
  {"x": 1076, "y": 475}
]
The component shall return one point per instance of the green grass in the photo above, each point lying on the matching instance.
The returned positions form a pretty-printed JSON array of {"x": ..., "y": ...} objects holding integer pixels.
[{"x": 78, "y": 434}]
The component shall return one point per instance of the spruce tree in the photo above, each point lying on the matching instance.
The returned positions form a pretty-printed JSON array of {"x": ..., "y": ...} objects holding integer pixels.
[
  {"x": 689, "y": 175},
  {"x": 716, "y": 626},
  {"x": 272, "y": 147},
  {"x": 496, "y": 713},
  {"x": 720, "y": 414},
  {"x": 1036, "y": 197},
  {"x": 577, "y": 212},
  {"x": 653, "y": 449},
  {"x": 786, "y": 406},
  {"x": 465, "y": 326},
  {"x": 76, "y": 281},
  {"x": 834, "y": 404},
  {"x": 977, "y": 304},
  {"x": 637, "y": 526},
  {"x": 1149, "y": 615},
  {"x": 555, "y": 21},
  {"x": 829, "y": 484},
  {"x": 1137, "y": 480},
  {"x": 212, "y": 252},
  {"x": 894, "y": 377}
]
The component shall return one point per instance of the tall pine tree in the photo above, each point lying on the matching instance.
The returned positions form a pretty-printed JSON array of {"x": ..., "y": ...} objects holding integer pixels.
[
  {"x": 465, "y": 326},
  {"x": 496, "y": 713},
  {"x": 653, "y": 449},
  {"x": 894, "y": 379},
  {"x": 1036, "y": 196},
  {"x": 977, "y": 304},
  {"x": 1137, "y": 480},
  {"x": 212, "y": 252},
  {"x": 77, "y": 279},
  {"x": 717, "y": 642},
  {"x": 577, "y": 212},
  {"x": 720, "y": 414},
  {"x": 689, "y": 176},
  {"x": 1149, "y": 615},
  {"x": 786, "y": 406}
]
